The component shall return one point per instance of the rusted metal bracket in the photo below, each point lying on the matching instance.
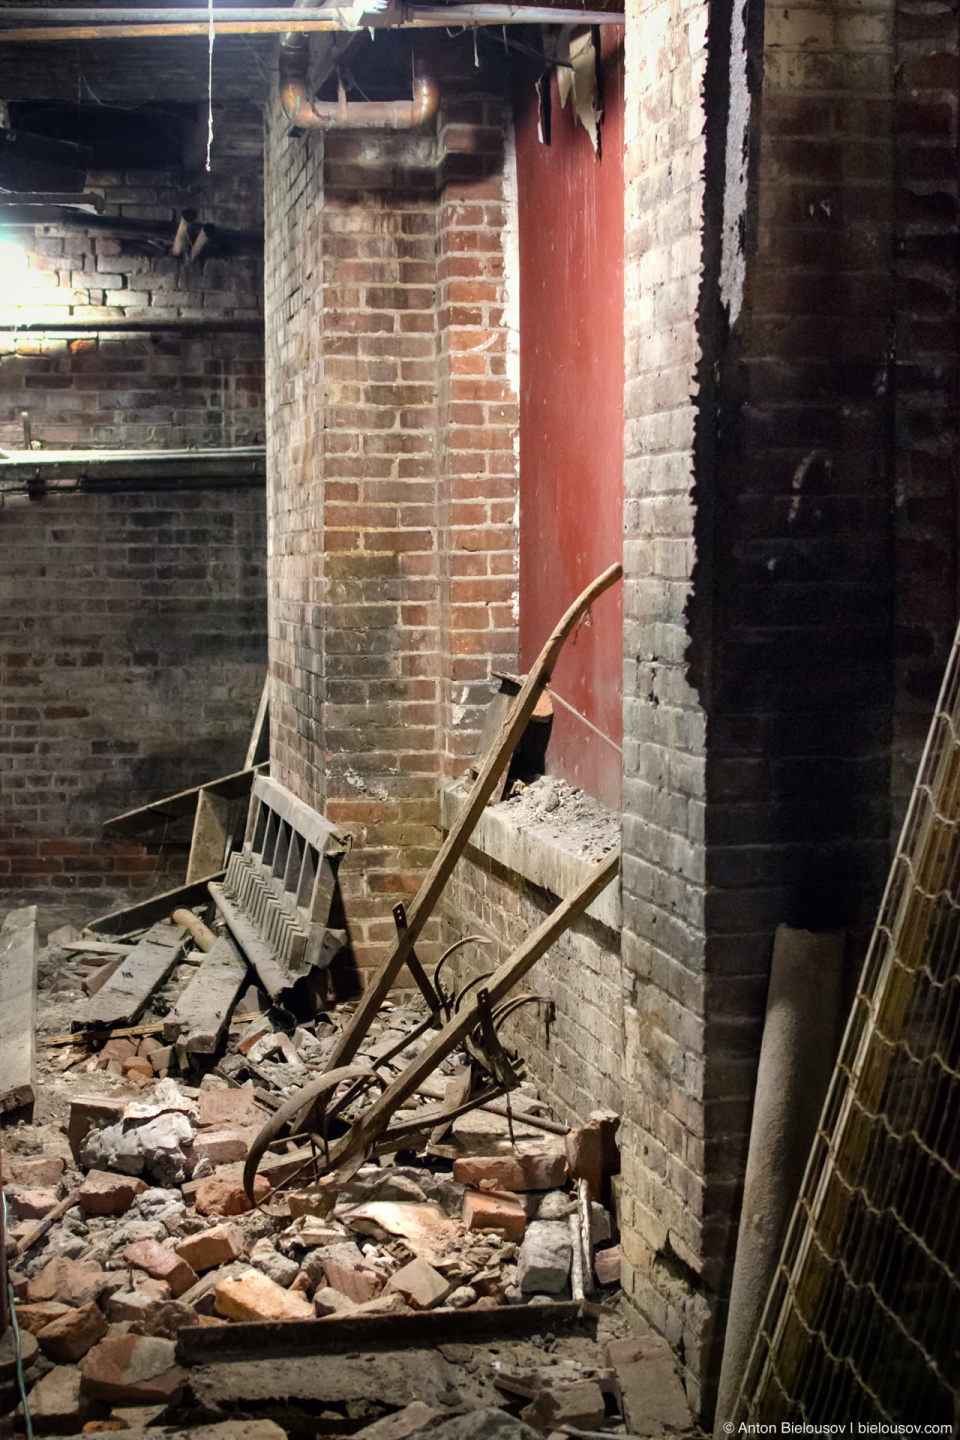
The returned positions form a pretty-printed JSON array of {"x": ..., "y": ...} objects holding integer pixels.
[{"x": 413, "y": 964}]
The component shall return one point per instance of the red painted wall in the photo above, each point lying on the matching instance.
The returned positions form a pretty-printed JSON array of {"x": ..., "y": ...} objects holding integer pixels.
[{"x": 571, "y": 417}]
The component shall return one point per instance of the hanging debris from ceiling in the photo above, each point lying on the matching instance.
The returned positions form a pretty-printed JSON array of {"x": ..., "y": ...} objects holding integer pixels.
[{"x": 575, "y": 54}]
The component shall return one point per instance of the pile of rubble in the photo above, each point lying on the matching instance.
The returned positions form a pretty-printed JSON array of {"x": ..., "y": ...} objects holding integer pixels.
[{"x": 128, "y": 1232}]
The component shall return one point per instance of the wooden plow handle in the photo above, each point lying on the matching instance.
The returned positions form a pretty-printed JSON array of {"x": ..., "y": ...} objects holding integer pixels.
[{"x": 456, "y": 842}]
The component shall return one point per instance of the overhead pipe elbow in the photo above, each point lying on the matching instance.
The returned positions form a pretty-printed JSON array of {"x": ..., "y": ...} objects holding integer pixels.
[{"x": 302, "y": 110}]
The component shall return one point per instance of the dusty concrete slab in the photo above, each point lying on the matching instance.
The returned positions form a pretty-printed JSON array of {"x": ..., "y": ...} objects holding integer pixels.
[
  {"x": 18, "y": 1009},
  {"x": 394, "y": 1378}
]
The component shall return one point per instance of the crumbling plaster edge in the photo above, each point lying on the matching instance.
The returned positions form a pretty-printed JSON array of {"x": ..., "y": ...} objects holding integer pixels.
[{"x": 534, "y": 857}]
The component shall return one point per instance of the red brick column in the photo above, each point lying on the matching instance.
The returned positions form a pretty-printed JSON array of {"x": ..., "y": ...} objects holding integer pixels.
[{"x": 479, "y": 448}]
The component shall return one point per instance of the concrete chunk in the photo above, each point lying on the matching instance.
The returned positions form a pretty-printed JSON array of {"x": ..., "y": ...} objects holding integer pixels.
[
  {"x": 18, "y": 1009},
  {"x": 545, "y": 1256},
  {"x": 652, "y": 1397}
]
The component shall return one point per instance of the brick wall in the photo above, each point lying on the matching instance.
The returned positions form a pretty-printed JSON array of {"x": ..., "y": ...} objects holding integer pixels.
[
  {"x": 133, "y": 644},
  {"x": 664, "y": 1121},
  {"x": 572, "y": 1048},
  {"x": 925, "y": 378},
  {"x": 131, "y": 662},
  {"x": 166, "y": 390},
  {"x": 386, "y": 368}
]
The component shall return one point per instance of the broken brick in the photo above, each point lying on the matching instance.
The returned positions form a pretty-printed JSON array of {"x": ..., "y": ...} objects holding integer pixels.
[
  {"x": 420, "y": 1284},
  {"x": 217, "y": 1195},
  {"x": 500, "y": 1213},
  {"x": 607, "y": 1265},
  {"x": 92, "y": 1112},
  {"x": 579, "y": 1404},
  {"x": 593, "y": 1153},
  {"x": 34, "y": 1171},
  {"x": 161, "y": 1263},
  {"x": 32, "y": 1204},
  {"x": 33, "y": 1316},
  {"x": 226, "y": 1109},
  {"x": 253, "y": 1296},
  {"x": 56, "y": 1403},
  {"x": 72, "y": 1282},
  {"x": 70, "y": 1336},
  {"x": 212, "y": 1248},
  {"x": 104, "y": 1193},
  {"x": 223, "y": 1147},
  {"x": 132, "y": 1370},
  {"x": 546, "y": 1171},
  {"x": 119, "y": 1049}
]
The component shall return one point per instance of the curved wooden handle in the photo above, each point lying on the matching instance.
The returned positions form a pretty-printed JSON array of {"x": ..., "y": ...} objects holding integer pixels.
[{"x": 465, "y": 823}]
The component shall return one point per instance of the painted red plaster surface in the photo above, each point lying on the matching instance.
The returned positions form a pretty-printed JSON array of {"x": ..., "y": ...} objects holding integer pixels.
[{"x": 571, "y": 417}]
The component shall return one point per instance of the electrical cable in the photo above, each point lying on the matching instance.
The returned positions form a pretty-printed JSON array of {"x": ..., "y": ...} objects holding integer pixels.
[{"x": 21, "y": 1384}]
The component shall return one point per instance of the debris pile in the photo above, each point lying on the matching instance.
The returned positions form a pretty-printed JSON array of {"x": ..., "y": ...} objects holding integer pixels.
[{"x": 127, "y": 1223}]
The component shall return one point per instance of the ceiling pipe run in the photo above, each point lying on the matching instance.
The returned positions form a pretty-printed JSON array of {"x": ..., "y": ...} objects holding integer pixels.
[{"x": 131, "y": 25}]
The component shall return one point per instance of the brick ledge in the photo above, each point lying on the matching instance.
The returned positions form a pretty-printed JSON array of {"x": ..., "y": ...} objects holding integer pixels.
[{"x": 541, "y": 859}]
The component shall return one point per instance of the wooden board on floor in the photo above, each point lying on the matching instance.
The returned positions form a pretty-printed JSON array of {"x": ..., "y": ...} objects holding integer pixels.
[
  {"x": 147, "y": 912},
  {"x": 201, "y": 1015},
  {"x": 18, "y": 1009},
  {"x": 122, "y": 1000}
]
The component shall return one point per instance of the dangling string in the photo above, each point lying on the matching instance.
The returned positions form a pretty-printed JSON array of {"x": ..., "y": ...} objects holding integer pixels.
[{"x": 210, "y": 35}]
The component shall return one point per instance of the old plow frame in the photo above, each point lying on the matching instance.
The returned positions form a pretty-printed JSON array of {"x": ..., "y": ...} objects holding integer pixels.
[{"x": 471, "y": 1019}]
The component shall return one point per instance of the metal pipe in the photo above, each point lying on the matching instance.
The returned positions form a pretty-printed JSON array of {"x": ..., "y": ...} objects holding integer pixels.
[
  {"x": 288, "y": 14},
  {"x": 302, "y": 110},
  {"x": 456, "y": 15},
  {"x": 136, "y": 327}
]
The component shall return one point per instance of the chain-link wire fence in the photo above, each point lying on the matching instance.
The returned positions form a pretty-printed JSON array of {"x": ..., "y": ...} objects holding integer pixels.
[{"x": 863, "y": 1317}]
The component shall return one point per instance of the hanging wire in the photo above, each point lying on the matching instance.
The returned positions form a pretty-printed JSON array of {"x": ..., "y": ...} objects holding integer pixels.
[
  {"x": 211, "y": 32},
  {"x": 11, "y": 1300}
]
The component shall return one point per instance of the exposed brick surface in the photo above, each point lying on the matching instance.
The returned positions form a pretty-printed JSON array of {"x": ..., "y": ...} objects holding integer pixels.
[
  {"x": 573, "y": 1047},
  {"x": 132, "y": 653},
  {"x": 925, "y": 378},
  {"x": 385, "y": 380},
  {"x": 664, "y": 1209}
]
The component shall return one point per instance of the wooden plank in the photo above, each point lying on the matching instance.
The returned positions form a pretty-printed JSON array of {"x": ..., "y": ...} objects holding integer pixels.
[
  {"x": 175, "y": 807},
  {"x": 212, "y": 832},
  {"x": 147, "y": 912},
  {"x": 19, "y": 949},
  {"x": 201, "y": 1015},
  {"x": 220, "y": 1344},
  {"x": 124, "y": 997},
  {"x": 259, "y": 735},
  {"x": 123, "y": 1032}
]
